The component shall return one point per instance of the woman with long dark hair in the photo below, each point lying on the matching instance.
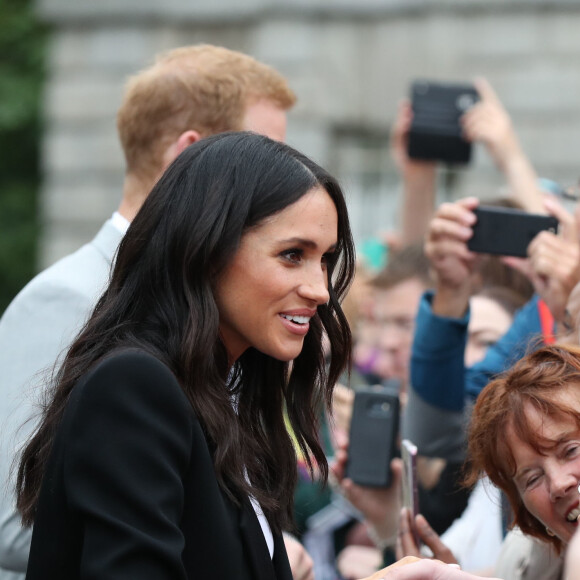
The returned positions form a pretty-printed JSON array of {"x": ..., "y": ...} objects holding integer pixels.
[{"x": 162, "y": 451}]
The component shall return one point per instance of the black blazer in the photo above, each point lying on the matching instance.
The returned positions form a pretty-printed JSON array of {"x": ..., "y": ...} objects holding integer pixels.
[{"x": 130, "y": 490}]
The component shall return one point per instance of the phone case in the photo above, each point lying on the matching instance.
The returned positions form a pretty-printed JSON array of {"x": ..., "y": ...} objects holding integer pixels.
[
  {"x": 436, "y": 132},
  {"x": 507, "y": 231},
  {"x": 373, "y": 436}
]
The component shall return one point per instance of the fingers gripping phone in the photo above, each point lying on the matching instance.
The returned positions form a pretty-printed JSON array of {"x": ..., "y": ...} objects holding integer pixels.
[
  {"x": 410, "y": 484},
  {"x": 373, "y": 435},
  {"x": 507, "y": 231}
]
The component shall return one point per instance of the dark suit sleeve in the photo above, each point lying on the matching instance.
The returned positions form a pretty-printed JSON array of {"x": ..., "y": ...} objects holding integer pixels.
[{"x": 127, "y": 449}]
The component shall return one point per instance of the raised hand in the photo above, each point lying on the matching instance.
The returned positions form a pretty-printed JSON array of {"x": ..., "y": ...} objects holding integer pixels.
[
  {"x": 453, "y": 265},
  {"x": 553, "y": 263},
  {"x": 379, "y": 506},
  {"x": 419, "y": 179},
  {"x": 489, "y": 123}
]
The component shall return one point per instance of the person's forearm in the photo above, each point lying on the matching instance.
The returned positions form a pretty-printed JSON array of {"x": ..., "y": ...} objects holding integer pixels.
[
  {"x": 451, "y": 302},
  {"x": 419, "y": 188},
  {"x": 523, "y": 181},
  {"x": 437, "y": 370}
]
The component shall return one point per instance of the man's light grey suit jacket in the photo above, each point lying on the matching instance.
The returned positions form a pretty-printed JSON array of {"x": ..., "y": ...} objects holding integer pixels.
[{"x": 35, "y": 331}]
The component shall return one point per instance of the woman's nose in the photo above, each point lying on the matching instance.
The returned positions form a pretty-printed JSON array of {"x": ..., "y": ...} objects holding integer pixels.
[
  {"x": 561, "y": 481},
  {"x": 315, "y": 287}
]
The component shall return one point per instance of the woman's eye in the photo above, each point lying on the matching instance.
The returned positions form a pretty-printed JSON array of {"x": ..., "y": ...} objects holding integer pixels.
[
  {"x": 571, "y": 451},
  {"x": 292, "y": 255},
  {"x": 531, "y": 481}
]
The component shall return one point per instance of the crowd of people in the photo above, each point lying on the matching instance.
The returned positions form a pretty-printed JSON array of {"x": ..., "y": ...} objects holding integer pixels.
[
  {"x": 177, "y": 394},
  {"x": 479, "y": 316}
]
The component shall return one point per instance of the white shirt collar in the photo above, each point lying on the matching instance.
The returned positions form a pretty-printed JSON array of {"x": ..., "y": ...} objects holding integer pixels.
[{"x": 120, "y": 222}]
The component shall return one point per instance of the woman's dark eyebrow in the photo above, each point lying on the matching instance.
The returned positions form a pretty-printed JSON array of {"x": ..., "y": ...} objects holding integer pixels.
[{"x": 306, "y": 243}]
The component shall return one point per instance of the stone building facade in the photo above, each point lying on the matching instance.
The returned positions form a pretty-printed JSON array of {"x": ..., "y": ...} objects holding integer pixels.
[{"x": 349, "y": 61}]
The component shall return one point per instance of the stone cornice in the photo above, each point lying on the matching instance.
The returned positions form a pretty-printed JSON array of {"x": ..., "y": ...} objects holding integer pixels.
[{"x": 220, "y": 11}]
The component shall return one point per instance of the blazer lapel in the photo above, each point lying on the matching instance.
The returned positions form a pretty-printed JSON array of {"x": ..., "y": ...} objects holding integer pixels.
[
  {"x": 255, "y": 544},
  {"x": 280, "y": 561}
]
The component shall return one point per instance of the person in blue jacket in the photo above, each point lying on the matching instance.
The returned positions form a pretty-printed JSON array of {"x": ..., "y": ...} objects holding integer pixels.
[{"x": 440, "y": 383}]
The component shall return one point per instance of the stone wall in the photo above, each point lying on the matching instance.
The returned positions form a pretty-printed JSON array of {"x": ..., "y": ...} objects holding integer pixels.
[{"x": 349, "y": 61}]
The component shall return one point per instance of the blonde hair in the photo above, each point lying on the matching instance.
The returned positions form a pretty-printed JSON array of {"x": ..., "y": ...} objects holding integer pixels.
[{"x": 201, "y": 87}]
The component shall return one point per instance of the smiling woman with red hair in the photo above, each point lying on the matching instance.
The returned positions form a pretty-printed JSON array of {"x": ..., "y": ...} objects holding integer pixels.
[{"x": 525, "y": 436}]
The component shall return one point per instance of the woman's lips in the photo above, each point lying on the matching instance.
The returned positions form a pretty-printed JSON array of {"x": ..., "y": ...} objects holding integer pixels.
[
  {"x": 296, "y": 326},
  {"x": 573, "y": 515}
]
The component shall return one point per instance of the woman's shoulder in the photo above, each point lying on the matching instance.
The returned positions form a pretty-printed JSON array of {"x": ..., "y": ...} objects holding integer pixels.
[
  {"x": 131, "y": 378},
  {"x": 130, "y": 361},
  {"x": 128, "y": 418}
]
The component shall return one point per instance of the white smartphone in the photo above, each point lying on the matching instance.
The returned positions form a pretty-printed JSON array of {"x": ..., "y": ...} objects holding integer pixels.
[{"x": 410, "y": 486}]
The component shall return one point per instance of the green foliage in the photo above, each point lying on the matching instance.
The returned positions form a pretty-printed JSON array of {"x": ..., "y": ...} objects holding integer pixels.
[{"x": 22, "y": 43}]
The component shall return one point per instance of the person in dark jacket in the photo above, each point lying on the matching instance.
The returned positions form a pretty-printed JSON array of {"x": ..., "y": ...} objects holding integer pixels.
[{"x": 162, "y": 451}]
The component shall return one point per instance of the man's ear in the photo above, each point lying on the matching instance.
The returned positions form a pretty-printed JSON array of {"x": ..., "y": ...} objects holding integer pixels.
[{"x": 186, "y": 139}]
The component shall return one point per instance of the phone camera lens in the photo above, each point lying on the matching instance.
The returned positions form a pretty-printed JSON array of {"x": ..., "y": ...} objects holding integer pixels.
[{"x": 465, "y": 101}]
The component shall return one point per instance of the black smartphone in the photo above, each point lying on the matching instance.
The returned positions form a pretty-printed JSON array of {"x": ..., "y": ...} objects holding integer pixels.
[
  {"x": 436, "y": 132},
  {"x": 410, "y": 484},
  {"x": 373, "y": 435},
  {"x": 507, "y": 231}
]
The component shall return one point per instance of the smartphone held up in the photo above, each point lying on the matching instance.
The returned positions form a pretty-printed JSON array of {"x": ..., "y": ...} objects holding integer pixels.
[
  {"x": 507, "y": 231},
  {"x": 373, "y": 435},
  {"x": 436, "y": 133}
]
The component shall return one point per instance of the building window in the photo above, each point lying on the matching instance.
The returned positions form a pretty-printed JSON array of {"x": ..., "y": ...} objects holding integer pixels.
[{"x": 362, "y": 163}]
